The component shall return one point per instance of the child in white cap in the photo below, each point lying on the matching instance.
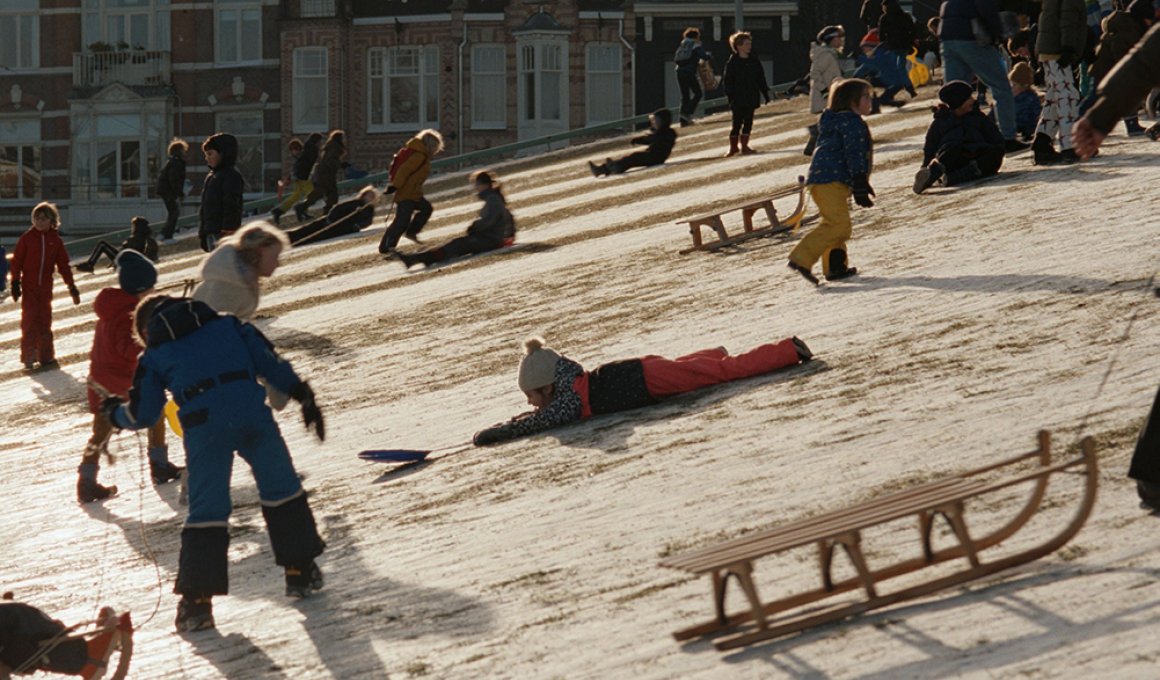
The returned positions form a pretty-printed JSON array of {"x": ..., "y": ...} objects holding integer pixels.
[{"x": 561, "y": 392}]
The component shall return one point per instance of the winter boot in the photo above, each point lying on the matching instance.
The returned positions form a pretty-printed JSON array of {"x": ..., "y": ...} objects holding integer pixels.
[
  {"x": 88, "y": 490},
  {"x": 875, "y": 106},
  {"x": 803, "y": 351},
  {"x": 806, "y": 273},
  {"x": 839, "y": 266},
  {"x": 194, "y": 613},
  {"x": 276, "y": 216},
  {"x": 611, "y": 167},
  {"x": 927, "y": 177},
  {"x": 1149, "y": 494},
  {"x": 1134, "y": 127},
  {"x": 745, "y": 145},
  {"x": 300, "y": 582},
  {"x": 597, "y": 170},
  {"x": 1043, "y": 150},
  {"x": 733, "y": 150},
  {"x": 300, "y": 212},
  {"x": 160, "y": 469},
  {"x": 1153, "y": 132},
  {"x": 86, "y": 267},
  {"x": 967, "y": 173},
  {"x": 812, "y": 142}
]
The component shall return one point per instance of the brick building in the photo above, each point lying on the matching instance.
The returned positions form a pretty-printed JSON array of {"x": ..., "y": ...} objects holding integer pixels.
[{"x": 92, "y": 91}]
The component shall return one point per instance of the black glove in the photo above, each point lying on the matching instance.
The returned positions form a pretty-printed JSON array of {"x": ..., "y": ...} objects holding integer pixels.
[
  {"x": 391, "y": 189},
  {"x": 76, "y": 294},
  {"x": 487, "y": 437},
  {"x": 1066, "y": 56},
  {"x": 863, "y": 191},
  {"x": 15, "y": 291},
  {"x": 108, "y": 406},
  {"x": 311, "y": 414}
]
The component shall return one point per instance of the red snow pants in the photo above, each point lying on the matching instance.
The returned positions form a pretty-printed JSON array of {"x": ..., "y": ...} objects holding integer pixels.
[
  {"x": 664, "y": 377},
  {"x": 36, "y": 325}
]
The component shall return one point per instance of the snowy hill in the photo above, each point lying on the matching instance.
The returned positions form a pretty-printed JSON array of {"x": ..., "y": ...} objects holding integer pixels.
[{"x": 983, "y": 314}]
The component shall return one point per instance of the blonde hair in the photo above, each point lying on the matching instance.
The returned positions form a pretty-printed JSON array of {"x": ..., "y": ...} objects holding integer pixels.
[
  {"x": 178, "y": 146},
  {"x": 46, "y": 208},
  {"x": 432, "y": 140},
  {"x": 252, "y": 238},
  {"x": 368, "y": 190}
]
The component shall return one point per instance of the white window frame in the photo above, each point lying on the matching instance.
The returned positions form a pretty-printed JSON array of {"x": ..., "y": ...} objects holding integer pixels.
[
  {"x": 488, "y": 83},
  {"x": 300, "y": 122},
  {"x": 26, "y": 136},
  {"x": 150, "y": 141},
  {"x": 21, "y": 15},
  {"x": 536, "y": 59},
  {"x": 240, "y": 38},
  {"x": 97, "y": 14},
  {"x": 252, "y": 188},
  {"x": 614, "y": 75},
  {"x": 380, "y": 63}
]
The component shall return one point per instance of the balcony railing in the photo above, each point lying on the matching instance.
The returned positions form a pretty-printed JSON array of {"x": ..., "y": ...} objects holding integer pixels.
[
  {"x": 316, "y": 8},
  {"x": 129, "y": 67}
]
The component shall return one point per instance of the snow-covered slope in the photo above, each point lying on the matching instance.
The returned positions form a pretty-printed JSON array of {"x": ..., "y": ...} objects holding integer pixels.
[{"x": 983, "y": 314}]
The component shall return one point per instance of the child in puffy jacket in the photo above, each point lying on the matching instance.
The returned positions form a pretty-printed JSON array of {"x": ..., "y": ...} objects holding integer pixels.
[
  {"x": 745, "y": 87},
  {"x": 825, "y": 69},
  {"x": 38, "y": 251},
  {"x": 412, "y": 210},
  {"x": 561, "y": 392},
  {"x": 840, "y": 167},
  {"x": 494, "y": 229},
  {"x": 886, "y": 68},
  {"x": 140, "y": 239},
  {"x": 962, "y": 144},
  {"x": 112, "y": 363},
  {"x": 660, "y": 141}
]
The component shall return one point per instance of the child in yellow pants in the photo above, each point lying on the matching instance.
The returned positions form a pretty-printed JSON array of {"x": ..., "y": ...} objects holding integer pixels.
[{"x": 839, "y": 167}]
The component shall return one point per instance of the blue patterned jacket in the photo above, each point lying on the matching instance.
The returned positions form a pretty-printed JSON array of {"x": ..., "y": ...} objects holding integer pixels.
[{"x": 845, "y": 149}]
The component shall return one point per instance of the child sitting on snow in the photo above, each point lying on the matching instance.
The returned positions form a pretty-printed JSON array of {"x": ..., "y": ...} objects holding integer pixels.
[
  {"x": 562, "y": 392},
  {"x": 494, "y": 229},
  {"x": 112, "y": 363},
  {"x": 962, "y": 144},
  {"x": 348, "y": 217},
  {"x": 660, "y": 141},
  {"x": 32, "y": 641},
  {"x": 140, "y": 239}
]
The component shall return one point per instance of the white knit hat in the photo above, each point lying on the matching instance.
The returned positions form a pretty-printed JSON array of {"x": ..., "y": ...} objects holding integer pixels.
[{"x": 538, "y": 367}]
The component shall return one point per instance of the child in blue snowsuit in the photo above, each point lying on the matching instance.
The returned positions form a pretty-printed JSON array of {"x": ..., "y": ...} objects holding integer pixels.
[
  {"x": 211, "y": 363},
  {"x": 885, "y": 68}
]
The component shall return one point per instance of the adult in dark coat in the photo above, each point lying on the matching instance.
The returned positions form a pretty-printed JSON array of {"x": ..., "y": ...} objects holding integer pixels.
[
  {"x": 171, "y": 186},
  {"x": 961, "y": 143},
  {"x": 660, "y": 141},
  {"x": 222, "y": 193},
  {"x": 896, "y": 28},
  {"x": 745, "y": 86}
]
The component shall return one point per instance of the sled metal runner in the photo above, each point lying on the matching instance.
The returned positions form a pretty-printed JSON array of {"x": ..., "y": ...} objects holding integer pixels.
[
  {"x": 748, "y": 209},
  {"x": 946, "y": 497}
]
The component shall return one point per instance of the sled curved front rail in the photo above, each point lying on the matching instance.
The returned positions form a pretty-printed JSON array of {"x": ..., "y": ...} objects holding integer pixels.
[{"x": 945, "y": 497}]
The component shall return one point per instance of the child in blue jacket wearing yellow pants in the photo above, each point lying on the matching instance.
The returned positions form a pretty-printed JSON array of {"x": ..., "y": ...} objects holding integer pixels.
[{"x": 840, "y": 167}]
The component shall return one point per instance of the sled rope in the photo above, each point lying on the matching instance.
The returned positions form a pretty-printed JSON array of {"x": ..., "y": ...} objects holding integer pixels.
[
  {"x": 141, "y": 457},
  {"x": 1149, "y": 287}
]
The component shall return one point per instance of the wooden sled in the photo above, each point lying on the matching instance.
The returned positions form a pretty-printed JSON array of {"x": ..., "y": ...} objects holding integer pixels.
[
  {"x": 748, "y": 209},
  {"x": 946, "y": 497}
]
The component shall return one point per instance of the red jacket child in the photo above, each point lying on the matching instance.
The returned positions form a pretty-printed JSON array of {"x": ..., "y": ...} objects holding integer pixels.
[{"x": 38, "y": 251}]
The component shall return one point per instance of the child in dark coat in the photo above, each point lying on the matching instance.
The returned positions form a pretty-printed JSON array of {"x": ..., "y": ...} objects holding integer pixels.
[
  {"x": 324, "y": 175},
  {"x": 348, "y": 217},
  {"x": 171, "y": 186},
  {"x": 112, "y": 362},
  {"x": 140, "y": 239},
  {"x": 562, "y": 392},
  {"x": 962, "y": 144},
  {"x": 660, "y": 141},
  {"x": 222, "y": 193},
  {"x": 745, "y": 86},
  {"x": 495, "y": 227},
  {"x": 211, "y": 364},
  {"x": 30, "y": 641},
  {"x": 38, "y": 251},
  {"x": 840, "y": 167}
]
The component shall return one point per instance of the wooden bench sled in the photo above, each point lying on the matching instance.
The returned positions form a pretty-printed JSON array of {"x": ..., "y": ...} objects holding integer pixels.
[
  {"x": 946, "y": 497},
  {"x": 748, "y": 209}
]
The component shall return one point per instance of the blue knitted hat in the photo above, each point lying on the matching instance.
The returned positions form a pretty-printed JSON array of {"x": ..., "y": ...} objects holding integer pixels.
[{"x": 135, "y": 272}]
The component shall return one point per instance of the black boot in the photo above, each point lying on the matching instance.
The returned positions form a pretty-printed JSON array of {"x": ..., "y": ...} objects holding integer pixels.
[
  {"x": 1043, "y": 150},
  {"x": 301, "y": 581},
  {"x": 967, "y": 173},
  {"x": 812, "y": 143},
  {"x": 597, "y": 170},
  {"x": 194, "y": 612},
  {"x": 276, "y": 216},
  {"x": 927, "y": 177},
  {"x": 88, "y": 489},
  {"x": 839, "y": 266},
  {"x": 806, "y": 273}
]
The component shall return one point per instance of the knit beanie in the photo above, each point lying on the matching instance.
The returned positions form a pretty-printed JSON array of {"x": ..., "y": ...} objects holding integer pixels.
[
  {"x": 954, "y": 93},
  {"x": 1021, "y": 74},
  {"x": 664, "y": 117},
  {"x": 538, "y": 367},
  {"x": 135, "y": 272},
  {"x": 829, "y": 33},
  {"x": 871, "y": 38}
]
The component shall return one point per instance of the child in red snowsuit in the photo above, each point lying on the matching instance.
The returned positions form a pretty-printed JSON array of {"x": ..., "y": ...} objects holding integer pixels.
[
  {"x": 37, "y": 252},
  {"x": 113, "y": 362},
  {"x": 562, "y": 392}
]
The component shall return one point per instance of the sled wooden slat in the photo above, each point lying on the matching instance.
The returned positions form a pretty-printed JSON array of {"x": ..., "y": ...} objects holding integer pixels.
[
  {"x": 714, "y": 222},
  {"x": 842, "y": 530}
]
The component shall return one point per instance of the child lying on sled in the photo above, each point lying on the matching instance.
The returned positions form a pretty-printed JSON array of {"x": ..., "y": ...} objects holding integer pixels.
[
  {"x": 31, "y": 641},
  {"x": 562, "y": 392}
]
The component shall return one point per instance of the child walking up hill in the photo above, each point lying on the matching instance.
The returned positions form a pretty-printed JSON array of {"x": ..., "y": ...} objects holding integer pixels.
[
  {"x": 840, "y": 167},
  {"x": 561, "y": 392},
  {"x": 37, "y": 253}
]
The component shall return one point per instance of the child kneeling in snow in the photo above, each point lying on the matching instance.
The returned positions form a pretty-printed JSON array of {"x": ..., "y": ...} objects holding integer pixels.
[
  {"x": 494, "y": 229},
  {"x": 211, "y": 364},
  {"x": 660, "y": 141},
  {"x": 562, "y": 392}
]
